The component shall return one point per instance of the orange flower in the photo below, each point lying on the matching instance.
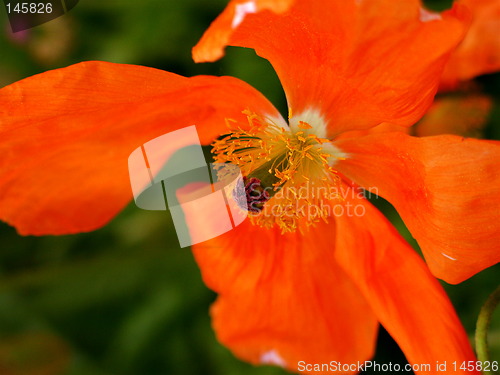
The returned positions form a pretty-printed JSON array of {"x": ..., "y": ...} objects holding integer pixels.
[{"x": 295, "y": 287}]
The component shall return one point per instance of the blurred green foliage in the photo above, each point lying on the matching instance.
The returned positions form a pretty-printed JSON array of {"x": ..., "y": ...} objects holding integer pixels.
[{"x": 125, "y": 299}]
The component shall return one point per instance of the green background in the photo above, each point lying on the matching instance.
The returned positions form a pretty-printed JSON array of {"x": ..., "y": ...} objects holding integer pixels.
[{"x": 125, "y": 299}]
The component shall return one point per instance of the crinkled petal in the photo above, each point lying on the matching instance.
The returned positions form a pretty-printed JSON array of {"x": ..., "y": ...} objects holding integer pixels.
[
  {"x": 357, "y": 63},
  {"x": 284, "y": 299},
  {"x": 66, "y": 136},
  {"x": 446, "y": 189},
  {"x": 408, "y": 301}
]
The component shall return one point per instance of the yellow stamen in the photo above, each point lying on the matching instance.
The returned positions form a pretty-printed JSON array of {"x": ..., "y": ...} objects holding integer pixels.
[
  {"x": 304, "y": 125},
  {"x": 294, "y": 167}
]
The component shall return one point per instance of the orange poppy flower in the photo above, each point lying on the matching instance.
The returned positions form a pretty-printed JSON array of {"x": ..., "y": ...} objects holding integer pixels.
[
  {"x": 359, "y": 64},
  {"x": 295, "y": 288}
]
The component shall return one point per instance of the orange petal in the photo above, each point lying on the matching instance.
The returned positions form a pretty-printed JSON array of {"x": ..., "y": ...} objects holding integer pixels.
[
  {"x": 284, "y": 299},
  {"x": 357, "y": 63},
  {"x": 212, "y": 44},
  {"x": 479, "y": 53},
  {"x": 464, "y": 115},
  {"x": 445, "y": 188},
  {"x": 408, "y": 301},
  {"x": 67, "y": 134}
]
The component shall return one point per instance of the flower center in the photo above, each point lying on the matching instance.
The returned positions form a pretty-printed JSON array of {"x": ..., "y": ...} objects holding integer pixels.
[{"x": 288, "y": 179}]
